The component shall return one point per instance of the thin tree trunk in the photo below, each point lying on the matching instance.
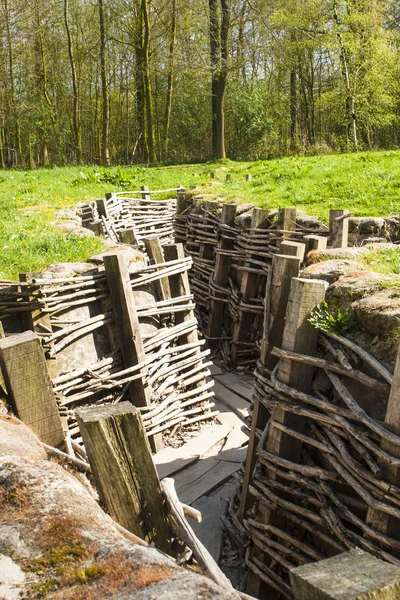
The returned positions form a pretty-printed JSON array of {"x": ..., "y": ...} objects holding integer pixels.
[
  {"x": 170, "y": 80},
  {"x": 222, "y": 79},
  {"x": 141, "y": 133},
  {"x": 105, "y": 153},
  {"x": 13, "y": 107},
  {"x": 151, "y": 140},
  {"x": 293, "y": 94},
  {"x": 350, "y": 103},
  {"x": 75, "y": 112},
  {"x": 215, "y": 64}
]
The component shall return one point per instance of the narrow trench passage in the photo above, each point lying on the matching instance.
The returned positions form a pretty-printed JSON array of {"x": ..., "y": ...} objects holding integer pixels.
[{"x": 204, "y": 466}]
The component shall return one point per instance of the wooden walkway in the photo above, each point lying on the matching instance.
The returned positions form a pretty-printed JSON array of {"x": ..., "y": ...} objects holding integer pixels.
[{"x": 203, "y": 467}]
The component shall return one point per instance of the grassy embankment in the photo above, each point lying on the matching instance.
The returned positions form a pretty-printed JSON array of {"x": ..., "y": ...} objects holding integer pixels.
[{"x": 365, "y": 183}]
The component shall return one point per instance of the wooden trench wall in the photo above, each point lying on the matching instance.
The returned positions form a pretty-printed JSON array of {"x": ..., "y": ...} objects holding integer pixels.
[{"x": 122, "y": 331}]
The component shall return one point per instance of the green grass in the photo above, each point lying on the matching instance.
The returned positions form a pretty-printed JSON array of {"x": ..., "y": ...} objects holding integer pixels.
[
  {"x": 366, "y": 184},
  {"x": 382, "y": 260}
]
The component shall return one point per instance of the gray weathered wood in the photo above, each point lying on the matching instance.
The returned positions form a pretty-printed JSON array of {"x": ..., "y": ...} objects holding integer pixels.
[
  {"x": 382, "y": 521},
  {"x": 353, "y": 575},
  {"x": 221, "y": 276},
  {"x": 283, "y": 269},
  {"x": 286, "y": 222},
  {"x": 290, "y": 248},
  {"x": 102, "y": 206},
  {"x": 338, "y": 228},
  {"x": 298, "y": 336},
  {"x": 155, "y": 252},
  {"x": 127, "y": 236},
  {"x": 315, "y": 242},
  {"x": 248, "y": 289},
  {"x": 29, "y": 387},
  {"x": 127, "y": 323},
  {"x": 123, "y": 469}
]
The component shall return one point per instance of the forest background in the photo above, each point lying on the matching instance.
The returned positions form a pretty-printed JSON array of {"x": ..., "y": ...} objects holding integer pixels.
[{"x": 146, "y": 81}]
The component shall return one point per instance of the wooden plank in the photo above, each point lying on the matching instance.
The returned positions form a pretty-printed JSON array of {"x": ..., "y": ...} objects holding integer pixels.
[
  {"x": 352, "y": 575},
  {"x": 236, "y": 403},
  {"x": 215, "y": 370},
  {"x": 212, "y": 506},
  {"x": 378, "y": 520},
  {"x": 221, "y": 276},
  {"x": 234, "y": 383},
  {"x": 123, "y": 469},
  {"x": 29, "y": 387},
  {"x": 214, "y": 474},
  {"x": 286, "y": 223},
  {"x": 172, "y": 460}
]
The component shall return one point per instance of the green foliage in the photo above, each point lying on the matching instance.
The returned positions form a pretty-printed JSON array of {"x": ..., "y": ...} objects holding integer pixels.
[
  {"x": 367, "y": 184},
  {"x": 326, "y": 319},
  {"x": 119, "y": 177},
  {"x": 383, "y": 260}
]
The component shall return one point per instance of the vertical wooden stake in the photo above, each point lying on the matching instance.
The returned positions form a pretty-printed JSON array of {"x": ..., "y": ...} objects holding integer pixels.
[
  {"x": 248, "y": 177},
  {"x": 221, "y": 275},
  {"x": 124, "y": 472},
  {"x": 127, "y": 236},
  {"x": 378, "y": 520},
  {"x": 155, "y": 252},
  {"x": 248, "y": 289},
  {"x": 29, "y": 387},
  {"x": 286, "y": 223},
  {"x": 339, "y": 228},
  {"x": 102, "y": 206},
  {"x": 298, "y": 336},
  {"x": 292, "y": 249},
  {"x": 127, "y": 324},
  {"x": 283, "y": 269},
  {"x": 315, "y": 242},
  {"x": 144, "y": 189}
]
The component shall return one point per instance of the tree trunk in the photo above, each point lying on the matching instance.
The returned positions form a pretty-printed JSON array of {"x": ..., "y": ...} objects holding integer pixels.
[
  {"x": 350, "y": 102},
  {"x": 17, "y": 158},
  {"x": 105, "y": 153},
  {"x": 151, "y": 140},
  {"x": 75, "y": 112},
  {"x": 222, "y": 79},
  {"x": 215, "y": 48},
  {"x": 170, "y": 80}
]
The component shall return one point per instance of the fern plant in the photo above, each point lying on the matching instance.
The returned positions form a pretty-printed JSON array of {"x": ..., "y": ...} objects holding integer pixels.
[{"x": 325, "y": 319}]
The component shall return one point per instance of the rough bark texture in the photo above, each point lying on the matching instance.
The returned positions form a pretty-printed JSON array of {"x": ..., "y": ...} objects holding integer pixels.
[{"x": 56, "y": 542}]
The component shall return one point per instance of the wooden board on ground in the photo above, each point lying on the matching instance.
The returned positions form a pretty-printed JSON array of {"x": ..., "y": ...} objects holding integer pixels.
[
  {"x": 212, "y": 506},
  {"x": 192, "y": 485},
  {"x": 241, "y": 385},
  {"x": 216, "y": 370},
  {"x": 239, "y": 405},
  {"x": 172, "y": 460}
]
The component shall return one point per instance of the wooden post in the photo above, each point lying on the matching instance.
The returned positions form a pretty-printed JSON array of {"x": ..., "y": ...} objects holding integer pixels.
[
  {"x": 102, "y": 206},
  {"x": 283, "y": 269},
  {"x": 29, "y": 387},
  {"x": 298, "y": 336},
  {"x": 292, "y": 249},
  {"x": 40, "y": 323},
  {"x": 155, "y": 252},
  {"x": 182, "y": 204},
  {"x": 339, "y": 228},
  {"x": 127, "y": 236},
  {"x": 127, "y": 324},
  {"x": 228, "y": 177},
  {"x": 315, "y": 242},
  {"x": 144, "y": 189},
  {"x": 248, "y": 289},
  {"x": 378, "y": 520},
  {"x": 248, "y": 177},
  {"x": 286, "y": 222},
  {"x": 221, "y": 275},
  {"x": 179, "y": 286},
  {"x": 124, "y": 472},
  {"x": 353, "y": 575}
]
